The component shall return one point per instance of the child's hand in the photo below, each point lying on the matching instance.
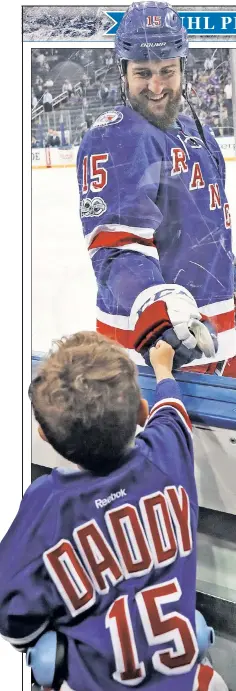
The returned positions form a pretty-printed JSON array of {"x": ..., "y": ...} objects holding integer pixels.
[{"x": 161, "y": 358}]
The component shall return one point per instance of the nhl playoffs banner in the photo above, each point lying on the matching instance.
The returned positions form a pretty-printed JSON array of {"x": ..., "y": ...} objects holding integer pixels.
[
  {"x": 196, "y": 23},
  {"x": 51, "y": 23}
]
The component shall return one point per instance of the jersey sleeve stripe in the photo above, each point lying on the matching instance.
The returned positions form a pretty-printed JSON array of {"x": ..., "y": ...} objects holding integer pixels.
[
  {"x": 204, "y": 677},
  {"x": 120, "y": 321},
  {"x": 118, "y": 239},
  {"x": 116, "y": 327},
  {"x": 222, "y": 322},
  {"x": 122, "y": 336},
  {"x": 145, "y": 233},
  {"x": 217, "y": 308},
  {"x": 178, "y": 407}
]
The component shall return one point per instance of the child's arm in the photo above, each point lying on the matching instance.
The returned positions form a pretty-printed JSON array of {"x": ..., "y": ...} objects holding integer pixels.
[{"x": 168, "y": 430}]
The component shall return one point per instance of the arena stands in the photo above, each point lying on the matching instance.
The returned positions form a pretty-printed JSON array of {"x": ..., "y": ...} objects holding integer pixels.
[{"x": 70, "y": 88}]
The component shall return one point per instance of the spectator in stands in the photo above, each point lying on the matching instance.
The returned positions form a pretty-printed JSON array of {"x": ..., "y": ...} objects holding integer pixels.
[
  {"x": 190, "y": 66},
  {"x": 36, "y": 142},
  {"x": 38, "y": 86},
  {"x": 103, "y": 93},
  {"x": 209, "y": 63},
  {"x": 212, "y": 103},
  {"x": 108, "y": 58},
  {"x": 34, "y": 100},
  {"x": 47, "y": 101},
  {"x": 42, "y": 62},
  {"x": 88, "y": 122},
  {"x": 39, "y": 58},
  {"x": 67, "y": 86},
  {"x": 228, "y": 98},
  {"x": 215, "y": 124},
  {"x": 100, "y": 61},
  {"x": 227, "y": 129},
  {"x": 84, "y": 84},
  {"x": 48, "y": 84},
  {"x": 52, "y": 139},
  {"x": 38, "y": 80},
  {"x": 79, "y": 91},
  {"x": 113, "y": 95}
]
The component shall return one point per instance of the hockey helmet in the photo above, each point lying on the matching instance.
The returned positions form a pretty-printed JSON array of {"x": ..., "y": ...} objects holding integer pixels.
[{"x": 151, "y": 31}]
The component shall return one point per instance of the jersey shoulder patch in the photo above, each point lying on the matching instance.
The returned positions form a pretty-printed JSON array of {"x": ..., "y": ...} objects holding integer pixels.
[{"x": 111, "y": 117}]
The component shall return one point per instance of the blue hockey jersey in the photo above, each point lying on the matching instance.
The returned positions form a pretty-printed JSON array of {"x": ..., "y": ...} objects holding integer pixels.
[
  {"x": 154, "y": 212},
  {"x": 111, "y": 562}
]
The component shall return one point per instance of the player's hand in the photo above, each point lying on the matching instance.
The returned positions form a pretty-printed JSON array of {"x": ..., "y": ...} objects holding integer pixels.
[
  {"x": 178, "y": 321},
  {"x": 161, "y": 358},
  {"x": 193, "y": 331},
  {"x": 206, "y": 338}
]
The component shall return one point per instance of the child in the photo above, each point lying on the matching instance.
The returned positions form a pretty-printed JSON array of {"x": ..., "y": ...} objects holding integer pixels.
[{"x": 106, "y": 553}]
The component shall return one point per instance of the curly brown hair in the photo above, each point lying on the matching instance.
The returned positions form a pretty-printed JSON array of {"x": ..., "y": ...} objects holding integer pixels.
[{"x": 86, "y": 399}]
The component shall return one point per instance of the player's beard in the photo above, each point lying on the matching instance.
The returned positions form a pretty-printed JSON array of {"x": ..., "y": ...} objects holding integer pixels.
[{"x": 164, "y": 119}]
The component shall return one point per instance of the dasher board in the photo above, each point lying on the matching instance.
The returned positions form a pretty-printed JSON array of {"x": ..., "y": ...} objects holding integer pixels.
[{"x": 209, "y": 399}]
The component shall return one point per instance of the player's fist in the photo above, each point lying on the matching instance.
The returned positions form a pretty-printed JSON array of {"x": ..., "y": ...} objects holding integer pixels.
[
  {"x": 171, "y": 314},
  {"x": 162, "y": 354}
]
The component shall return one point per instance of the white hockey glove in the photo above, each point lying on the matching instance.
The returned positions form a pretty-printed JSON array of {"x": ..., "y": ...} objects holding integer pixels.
[{"x": 171, "y": 314}]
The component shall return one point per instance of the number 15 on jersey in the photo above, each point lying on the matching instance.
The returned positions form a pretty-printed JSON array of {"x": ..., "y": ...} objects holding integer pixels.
[{"x": 174, "y": 630}]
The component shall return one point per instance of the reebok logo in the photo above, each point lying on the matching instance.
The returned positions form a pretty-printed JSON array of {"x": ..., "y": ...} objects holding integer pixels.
[{"x": 103, "y": 502}]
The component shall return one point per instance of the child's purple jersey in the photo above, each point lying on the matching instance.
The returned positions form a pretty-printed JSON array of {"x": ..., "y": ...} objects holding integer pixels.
[{"x": 111, "y": 562}]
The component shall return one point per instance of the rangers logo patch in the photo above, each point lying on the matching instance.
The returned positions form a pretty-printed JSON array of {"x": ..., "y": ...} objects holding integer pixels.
[{"x": 112, "y": 117}]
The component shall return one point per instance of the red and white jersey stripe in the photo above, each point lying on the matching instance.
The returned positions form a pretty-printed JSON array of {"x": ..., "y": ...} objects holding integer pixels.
[
  {"x": 125, "y": 237},
  {"x": 178, "y": 407},
  {"x": 208, "y": 680}
]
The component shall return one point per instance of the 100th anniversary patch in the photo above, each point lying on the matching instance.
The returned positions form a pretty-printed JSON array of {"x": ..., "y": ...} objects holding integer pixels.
[{"x": 92, "y": 207}]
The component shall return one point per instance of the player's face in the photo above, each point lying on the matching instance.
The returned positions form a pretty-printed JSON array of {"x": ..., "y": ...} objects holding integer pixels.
[{"x": 154, "y": 89}]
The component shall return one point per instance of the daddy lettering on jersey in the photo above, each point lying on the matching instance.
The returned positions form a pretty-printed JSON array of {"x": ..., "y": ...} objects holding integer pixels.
[
  {"x": 150, "y": 538},
  {"x": 139, "y": 541}
]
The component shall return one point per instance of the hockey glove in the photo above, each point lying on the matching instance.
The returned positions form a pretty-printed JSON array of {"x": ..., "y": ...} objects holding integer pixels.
[{"x": 173, "y": 316}]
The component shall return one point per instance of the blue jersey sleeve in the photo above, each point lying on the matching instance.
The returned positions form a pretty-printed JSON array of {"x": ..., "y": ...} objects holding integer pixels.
[
  {"x": 27, "y": 595},
  {"x": 167, "y": 437},
  {"x": 119, "y": 169}
]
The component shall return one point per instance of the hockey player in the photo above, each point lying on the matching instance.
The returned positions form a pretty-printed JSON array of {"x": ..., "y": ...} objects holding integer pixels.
[
  {"x": 153, "y": 206},
  {"x": 107, "y": 556}
]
